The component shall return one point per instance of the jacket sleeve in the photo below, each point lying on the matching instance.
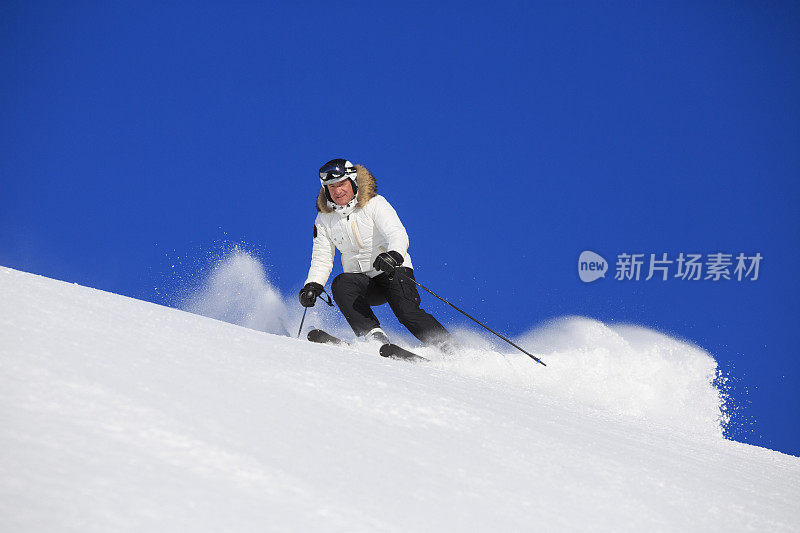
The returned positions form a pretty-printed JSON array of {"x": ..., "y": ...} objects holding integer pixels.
[
  {"x": 321, "y": 255},
  {"x": 388, "y": 223}
]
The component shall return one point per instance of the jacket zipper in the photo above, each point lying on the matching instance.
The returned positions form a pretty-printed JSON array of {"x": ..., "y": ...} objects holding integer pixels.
[
  {"x": 349, "y": 230},
  {"x": 355, "y": 236}
]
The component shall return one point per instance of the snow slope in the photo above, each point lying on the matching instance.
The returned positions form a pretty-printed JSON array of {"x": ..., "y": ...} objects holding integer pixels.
[{"x": 118, "y": 414}]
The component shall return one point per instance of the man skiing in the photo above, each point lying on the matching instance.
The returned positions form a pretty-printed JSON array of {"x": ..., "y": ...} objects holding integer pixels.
[{"x": 365, "y": 228}]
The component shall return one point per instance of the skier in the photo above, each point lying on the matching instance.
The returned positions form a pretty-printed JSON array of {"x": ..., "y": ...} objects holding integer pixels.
[{"x": 354, "y": 218}]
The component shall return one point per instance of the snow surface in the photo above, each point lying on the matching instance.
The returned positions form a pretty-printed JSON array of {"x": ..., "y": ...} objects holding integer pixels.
[{"x": 122, "y": 415}]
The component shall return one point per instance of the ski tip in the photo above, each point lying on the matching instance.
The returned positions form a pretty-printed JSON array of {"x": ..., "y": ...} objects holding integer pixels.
[
  {"x": 393, "y": 351},
  {"x": 323, "y": 337}
]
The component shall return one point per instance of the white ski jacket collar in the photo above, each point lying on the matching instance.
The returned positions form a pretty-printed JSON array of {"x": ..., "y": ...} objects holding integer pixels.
[{"x": 344, "y": 210}]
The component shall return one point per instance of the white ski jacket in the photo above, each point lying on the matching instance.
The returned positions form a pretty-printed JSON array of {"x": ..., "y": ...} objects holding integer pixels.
[{"x": 370, "y": 228}]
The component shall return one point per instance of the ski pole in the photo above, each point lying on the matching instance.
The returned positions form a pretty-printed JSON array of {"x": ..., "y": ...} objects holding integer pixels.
[
  {"x": 382, "y": 249},
  {"x": 474, "y": 319},
  {"x": 329, "y": 301},
  {"x": 301, "y": 322},
  {"x": 478, "y": 322}
]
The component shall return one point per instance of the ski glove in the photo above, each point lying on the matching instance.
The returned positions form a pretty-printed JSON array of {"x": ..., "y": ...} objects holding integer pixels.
[
  {"x": 388, "y": 261},
  {"x": 309, "y": 293}
]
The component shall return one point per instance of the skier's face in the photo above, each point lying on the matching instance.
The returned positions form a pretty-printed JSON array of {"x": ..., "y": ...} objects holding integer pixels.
[{"x": 341, "y": 192}]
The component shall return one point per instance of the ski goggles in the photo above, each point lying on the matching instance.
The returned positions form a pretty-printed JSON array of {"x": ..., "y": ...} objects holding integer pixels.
[{"x": 332, "y": 173}]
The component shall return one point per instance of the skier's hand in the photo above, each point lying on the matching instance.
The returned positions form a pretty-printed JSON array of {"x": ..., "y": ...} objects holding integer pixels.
[
  {"x": 388, "y": 261},
  {"x": 309, "y": 293}
]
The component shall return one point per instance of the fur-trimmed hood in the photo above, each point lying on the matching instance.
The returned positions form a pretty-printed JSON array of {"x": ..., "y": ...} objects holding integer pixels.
[{"x": 367, "y": 190}]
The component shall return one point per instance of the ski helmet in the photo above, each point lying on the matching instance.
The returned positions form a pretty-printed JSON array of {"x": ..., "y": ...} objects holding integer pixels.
[{"x": 337, "y": 170}]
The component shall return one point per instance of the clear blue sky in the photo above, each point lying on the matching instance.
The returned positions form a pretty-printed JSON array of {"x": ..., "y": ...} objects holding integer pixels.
[{"x": 510, "y": 136}]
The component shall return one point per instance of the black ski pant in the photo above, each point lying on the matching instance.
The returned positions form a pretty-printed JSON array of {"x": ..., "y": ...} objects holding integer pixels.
[{"x": 357, "y": 293}]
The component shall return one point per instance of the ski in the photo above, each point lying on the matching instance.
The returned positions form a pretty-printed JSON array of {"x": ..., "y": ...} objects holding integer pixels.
[
  {"x": 323, "y": 337},
  {"x": 394, "y": 351},
  {"x": 389, "y": 350}
]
